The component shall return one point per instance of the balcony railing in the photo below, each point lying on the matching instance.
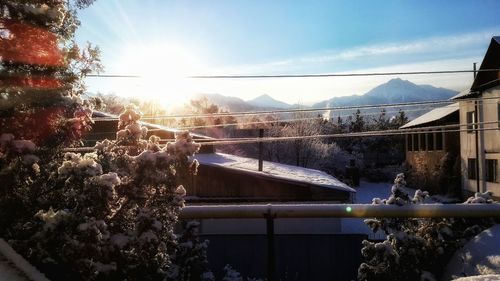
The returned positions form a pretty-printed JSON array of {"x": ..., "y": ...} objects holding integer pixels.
[{"x": 271, "y": 212}]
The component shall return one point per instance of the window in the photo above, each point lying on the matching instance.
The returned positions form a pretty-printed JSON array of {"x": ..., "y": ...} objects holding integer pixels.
[
  {"x": 439, "y": 140},
  {"x": 422, "y": 141},
  {"x": 415, "y": 142},
  {"x": 491, "y": 170},
  {"x": 409, "y": 142},
  {"x": 471, "y": 168},
  {"x": 471, "y": 118},
  {"x": 430, "y": 141}
]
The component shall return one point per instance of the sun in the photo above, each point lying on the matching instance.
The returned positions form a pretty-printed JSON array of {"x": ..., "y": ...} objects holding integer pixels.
[{"x": 164, "y": 71}]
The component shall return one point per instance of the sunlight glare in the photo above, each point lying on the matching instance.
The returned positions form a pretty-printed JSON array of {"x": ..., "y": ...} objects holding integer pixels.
[{"x": 163, "y": 68}]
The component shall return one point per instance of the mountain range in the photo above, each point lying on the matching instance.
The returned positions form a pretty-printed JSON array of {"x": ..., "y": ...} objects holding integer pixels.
[{"x": 394, "y": 91}]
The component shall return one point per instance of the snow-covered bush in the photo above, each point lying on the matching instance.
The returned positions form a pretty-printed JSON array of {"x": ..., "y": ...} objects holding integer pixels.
[
  {"x": 415, "y": 248},
  {"x": 108, "y": 214},
  {"x": 190, "y": 260}
]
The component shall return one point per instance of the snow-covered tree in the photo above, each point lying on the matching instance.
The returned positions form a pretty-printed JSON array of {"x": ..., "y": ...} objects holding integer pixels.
[
  {"x": 107, "y": 214},
  {"x": 190, "y": 260},
  {"x": 415, "y": 248}
]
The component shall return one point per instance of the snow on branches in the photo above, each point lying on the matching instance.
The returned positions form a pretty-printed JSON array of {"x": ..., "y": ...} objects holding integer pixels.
[
  {"x": 415, "y": 248},
  {"x": 108, "y": 214}
]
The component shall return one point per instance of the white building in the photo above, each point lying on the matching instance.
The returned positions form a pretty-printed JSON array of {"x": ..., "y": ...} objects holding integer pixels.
[{"x": 480, "y": 126}]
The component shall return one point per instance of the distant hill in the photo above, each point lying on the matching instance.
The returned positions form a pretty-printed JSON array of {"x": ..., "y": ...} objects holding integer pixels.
[
  {"x": 268, "y": 102},
  {"x": 394, "y": 91}
]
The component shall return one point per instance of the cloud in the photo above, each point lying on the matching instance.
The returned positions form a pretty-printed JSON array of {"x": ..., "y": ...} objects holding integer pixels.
[{"x": 376, "y": 55}]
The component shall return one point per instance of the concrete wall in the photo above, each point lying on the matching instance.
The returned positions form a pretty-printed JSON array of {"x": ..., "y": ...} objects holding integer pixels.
[{"x": 489, "y": 141}]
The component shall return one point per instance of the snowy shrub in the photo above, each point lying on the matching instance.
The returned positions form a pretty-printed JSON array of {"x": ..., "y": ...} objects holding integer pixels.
[
  {"x": 105, "y": 215},
  {"x": 190, "y": 260},
  {"x": 415, "y": 248}
]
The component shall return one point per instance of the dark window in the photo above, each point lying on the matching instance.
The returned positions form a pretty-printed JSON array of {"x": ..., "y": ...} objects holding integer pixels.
[
  {"x": 471, "y": 168},
  {"x": 415, "y": 142},
  {"x": 491, "y": 170},
  {"x": 471, "y": 118},
  {"x": 409, "y": 142},
  {"x": 498, "y": 113},
  {"x": 439, "y": 140},
  {"x": 422, "y": 141},
  {"x": 430, "y": 141}
]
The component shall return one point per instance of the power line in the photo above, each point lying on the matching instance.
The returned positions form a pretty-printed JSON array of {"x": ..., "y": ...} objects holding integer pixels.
[
  {"x": 250, "y": 113},
  {"x": 303, "y": 75},
  {"x": 297, "y": 110},
  {"x": 338, "y": 74},
  {"x": 471, "y": 127},
  {"x": 258, "y": 122}
]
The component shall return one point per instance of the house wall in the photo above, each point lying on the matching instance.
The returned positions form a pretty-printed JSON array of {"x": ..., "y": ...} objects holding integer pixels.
[
  {"x": 221, "y": 184},
  {"x": 424, "y": 160},
  {"x": 489, "y": 141}
]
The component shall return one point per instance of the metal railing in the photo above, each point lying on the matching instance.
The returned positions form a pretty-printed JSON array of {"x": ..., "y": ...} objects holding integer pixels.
[{"x": 271, "y": 212}]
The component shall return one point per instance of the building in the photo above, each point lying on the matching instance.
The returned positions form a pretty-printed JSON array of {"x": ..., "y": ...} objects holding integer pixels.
[
  {"x": 224, "y": 178},
  {"x": 431, "y": 151},
  {"x": 480, "y": 123}
]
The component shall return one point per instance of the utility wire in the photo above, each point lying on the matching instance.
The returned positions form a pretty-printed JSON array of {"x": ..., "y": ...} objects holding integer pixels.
[
  {"x": 174, "y": 127},
  {"x": 339, "y": 74},
  {"x": 279, "y": 111},
  {"x": 471, "y": 127},
  {"x": 250, "y": 113},
  {"x": 303, "y": 75}
]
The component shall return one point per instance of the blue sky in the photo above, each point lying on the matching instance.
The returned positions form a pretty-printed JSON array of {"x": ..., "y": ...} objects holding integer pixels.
[{"x": 165, "y": 38}]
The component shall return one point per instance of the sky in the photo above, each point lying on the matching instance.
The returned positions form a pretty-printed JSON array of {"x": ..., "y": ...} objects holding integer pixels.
[{"x": 166, "y": 41}]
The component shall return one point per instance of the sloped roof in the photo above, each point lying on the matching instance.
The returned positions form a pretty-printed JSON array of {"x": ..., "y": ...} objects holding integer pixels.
[
  {"x": 433, "y": 115},
  {"x": 486, "y": 79},
  {"x": 273, "y": 170},
  {"x": 462, "y": 94}
]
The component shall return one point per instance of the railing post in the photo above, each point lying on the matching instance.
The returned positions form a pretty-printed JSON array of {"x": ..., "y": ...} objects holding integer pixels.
[
  {"x": 261, "y": 149},
  {"x": 271, "y": 254}
]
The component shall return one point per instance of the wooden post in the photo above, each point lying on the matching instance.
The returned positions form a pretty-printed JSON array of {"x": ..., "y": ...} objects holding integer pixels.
[{"x": 261, "y": 149}]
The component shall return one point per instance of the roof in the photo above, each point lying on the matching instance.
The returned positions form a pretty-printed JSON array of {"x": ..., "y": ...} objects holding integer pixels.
[
  {"x": 485, "y": 79},
  {"x": 433, "y": 115},
  {"x": 462, "y": 94},
  {"x": 273, "y": 170}
]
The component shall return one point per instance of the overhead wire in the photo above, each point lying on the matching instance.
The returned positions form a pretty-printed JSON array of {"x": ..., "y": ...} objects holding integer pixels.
[
  {"x": 240, "y": 124},
  {"x": 304, "y": 75},
  {"x": 471, "y": 127},
  {"x": 299, "y": 110}
]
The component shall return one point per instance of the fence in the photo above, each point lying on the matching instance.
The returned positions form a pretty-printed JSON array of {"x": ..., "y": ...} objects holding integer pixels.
[{"x": 270, "y": 212}]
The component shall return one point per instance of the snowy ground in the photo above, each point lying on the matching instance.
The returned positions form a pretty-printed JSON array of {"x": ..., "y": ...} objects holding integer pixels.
[
  {"x": 365, "y": 192},
  {"x": 480, "y": 256}
]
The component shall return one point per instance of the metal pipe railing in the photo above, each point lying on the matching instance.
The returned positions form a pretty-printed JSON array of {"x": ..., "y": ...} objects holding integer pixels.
[
  {"x": 340, "y": 211},
  {"x": 271, "y": 212}
]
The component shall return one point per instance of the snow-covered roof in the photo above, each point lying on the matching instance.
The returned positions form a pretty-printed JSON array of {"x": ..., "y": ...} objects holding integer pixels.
[
  {"x": 13, "y": 267},
  {"x": 432, "y": 115},
  {"x": 462, "y": 94},
  {"x": 273, "y": 170}
]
